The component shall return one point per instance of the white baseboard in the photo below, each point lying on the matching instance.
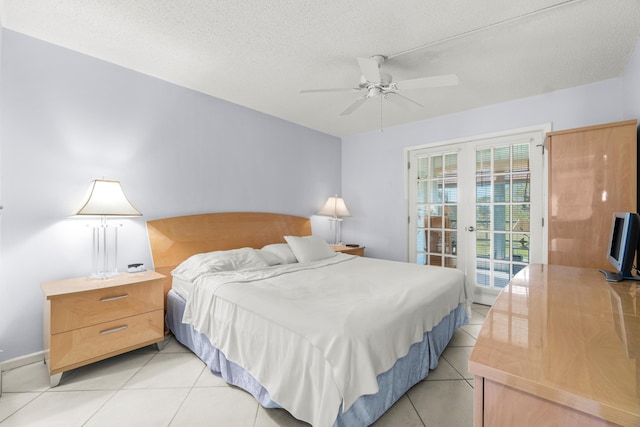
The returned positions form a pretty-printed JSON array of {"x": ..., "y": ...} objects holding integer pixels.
[
  {"x": 485, "y": 296},
  {"x": 17, "y": 362}
]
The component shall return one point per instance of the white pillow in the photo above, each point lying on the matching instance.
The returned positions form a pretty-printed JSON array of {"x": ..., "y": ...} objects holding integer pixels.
[
  {"x": 271, "y": 258},
  {"x": 211, "y": 262},
  {"x": 282, "y": 251},
  {"x": 309, "y": 248}
]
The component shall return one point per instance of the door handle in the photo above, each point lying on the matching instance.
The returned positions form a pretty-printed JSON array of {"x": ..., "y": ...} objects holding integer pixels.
[{"x": 471, "y": 228}]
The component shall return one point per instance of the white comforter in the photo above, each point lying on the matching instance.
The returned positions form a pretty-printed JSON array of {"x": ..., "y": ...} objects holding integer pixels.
[{"x": 316, "y": 335}]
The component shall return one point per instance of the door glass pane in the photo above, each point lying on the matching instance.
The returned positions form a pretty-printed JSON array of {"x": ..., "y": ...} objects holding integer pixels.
[
  {"x": 436, "y": 167},
  {"x": 437, "y": 209},
  {"x": 423, "y": 192},
  {"x": 501, "y": 163},
  {"x": 501, "y": 218},
  {"x": 435, "y": 191},
  {"x": 501, "y": 192},
  {"x": 423, "y": 167},
  {"x": 502, "y": 213},
  {"x": 483, "y": 217},
  {"x": 483, "y": 161}
]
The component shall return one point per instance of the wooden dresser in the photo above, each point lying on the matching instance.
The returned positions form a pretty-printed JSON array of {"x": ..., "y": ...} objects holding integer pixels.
[
  {"x": 560, "y": 347},
  {"x": 89, "y": 320}
]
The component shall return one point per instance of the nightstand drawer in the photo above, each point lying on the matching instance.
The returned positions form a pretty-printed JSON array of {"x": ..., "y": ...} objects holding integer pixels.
[
  {"x": 100, "y": 341},
  {"x": 74, "y": 311}
]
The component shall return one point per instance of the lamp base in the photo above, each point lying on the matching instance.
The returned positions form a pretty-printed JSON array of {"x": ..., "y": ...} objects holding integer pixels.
[
  {"x": 105, "y": 251},
  {"x": 335, "y": 227}
]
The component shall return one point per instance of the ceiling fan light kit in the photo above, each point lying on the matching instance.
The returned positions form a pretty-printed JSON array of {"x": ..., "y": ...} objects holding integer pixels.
[{"x": 375, "y": 83}]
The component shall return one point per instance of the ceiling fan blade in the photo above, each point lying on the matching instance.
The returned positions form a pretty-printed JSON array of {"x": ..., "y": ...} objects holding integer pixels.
[
  {"x": 427, "y": 82},
  {"x": 337, "y": 89},
  {"x": 370, "y": 69},
  {"x": 402, "y": 101},
  {"x": 354, "y": 106}
]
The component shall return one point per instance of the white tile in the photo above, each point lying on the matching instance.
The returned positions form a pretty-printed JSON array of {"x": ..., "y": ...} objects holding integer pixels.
[
  {"x": 477, "y": 318},
  {"x": 481, "y": 309},
  {"x": 168, "y": 370},
  {"x": 443, "y": 403},
  {"x": 217, "y": 406},
  {"x": 32, "y": 377},
  {"x": 402, "y": 413},
  {"x": 208, "y": 379},
  {"x": 63, "y": 409},
  {"x": 11, "y": 402},
  {"x": 473, "y": 330},
  {"x": 174, "y": 346},
  {"x": 277, "y": 418},
  {"x": 461, "y": 338},
  {"x": 109, "y": 374},
  {"x": 444, "y": 371},
  {"x": 139, "y": 408},
  {"x": 458, "y": 357}
]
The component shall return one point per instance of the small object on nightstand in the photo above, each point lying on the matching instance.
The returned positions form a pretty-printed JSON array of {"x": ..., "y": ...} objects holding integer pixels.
[
  {"x": 352, "y": 245},
  {"x": 136, "y": 268}
]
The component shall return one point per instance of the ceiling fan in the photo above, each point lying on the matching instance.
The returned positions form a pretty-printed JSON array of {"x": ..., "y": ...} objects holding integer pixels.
[{"x": 374, "y": 83}]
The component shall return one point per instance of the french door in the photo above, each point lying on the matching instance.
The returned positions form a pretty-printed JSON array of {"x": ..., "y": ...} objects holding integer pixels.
[{"x": 477, "y": 205}]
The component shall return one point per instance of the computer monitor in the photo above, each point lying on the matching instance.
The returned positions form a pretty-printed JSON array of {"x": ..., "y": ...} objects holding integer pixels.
[{"x": 623, "y": 244}]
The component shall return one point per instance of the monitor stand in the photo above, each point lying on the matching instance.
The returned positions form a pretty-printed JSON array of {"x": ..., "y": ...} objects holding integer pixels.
[{"x": 612, "y": 276}]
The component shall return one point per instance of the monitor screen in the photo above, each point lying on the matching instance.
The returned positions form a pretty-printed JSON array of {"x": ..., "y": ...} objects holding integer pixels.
[
  {"x": 616, "y": 237},
  {"x": 623, "y": 244}
]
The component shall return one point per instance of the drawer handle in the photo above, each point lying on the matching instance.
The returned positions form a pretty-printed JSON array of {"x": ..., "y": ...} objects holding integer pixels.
[
  {"x": 114, "y": 298},
  {"x": 109, "y": 331}
]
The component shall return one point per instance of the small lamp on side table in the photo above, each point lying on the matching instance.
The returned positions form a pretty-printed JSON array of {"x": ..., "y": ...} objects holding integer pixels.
[
  {"x": 105, "y": 199},
  {"x": 336, "y": 209}
]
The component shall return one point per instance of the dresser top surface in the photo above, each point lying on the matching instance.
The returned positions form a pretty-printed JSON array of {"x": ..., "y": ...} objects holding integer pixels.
[{"x": 565, "y": 334}]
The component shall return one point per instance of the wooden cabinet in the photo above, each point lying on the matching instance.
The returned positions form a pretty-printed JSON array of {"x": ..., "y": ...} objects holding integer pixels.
[
  {"x": 87, "y": 320},
  {"x": 592, "y": 174},
  {"x": 559, "y": 347},
  {"x": 351, "y": 250}
]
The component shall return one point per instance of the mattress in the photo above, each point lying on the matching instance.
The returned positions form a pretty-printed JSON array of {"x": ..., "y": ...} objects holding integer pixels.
[
  {"x": 338, "y": 322},
  {"x": 405, "y": 373},
  {"x": 181, "y": 286}
]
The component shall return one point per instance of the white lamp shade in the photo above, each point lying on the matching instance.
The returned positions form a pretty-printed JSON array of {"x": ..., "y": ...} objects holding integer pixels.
[
  {"x": 106, "y": 198},
  {"x": 335, "y": 207}
]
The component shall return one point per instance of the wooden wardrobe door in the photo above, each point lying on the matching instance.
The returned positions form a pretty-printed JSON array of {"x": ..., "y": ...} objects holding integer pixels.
[{"x": 592, "y": 174}]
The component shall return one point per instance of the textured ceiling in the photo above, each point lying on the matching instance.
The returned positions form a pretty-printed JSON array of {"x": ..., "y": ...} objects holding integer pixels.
[{"x": 260, "y": 54}]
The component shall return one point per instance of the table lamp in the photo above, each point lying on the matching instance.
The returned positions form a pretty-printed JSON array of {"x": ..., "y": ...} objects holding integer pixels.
[
  {"x": 105, "y": 199},
  {"x": 335, "y": 209}
]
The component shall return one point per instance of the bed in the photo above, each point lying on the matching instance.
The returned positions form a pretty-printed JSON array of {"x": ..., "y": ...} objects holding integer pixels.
[{"x": 334, "y": 339}]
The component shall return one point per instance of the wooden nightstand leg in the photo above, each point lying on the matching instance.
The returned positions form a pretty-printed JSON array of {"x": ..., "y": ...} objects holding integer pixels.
[{"x": 54, "y": 380}]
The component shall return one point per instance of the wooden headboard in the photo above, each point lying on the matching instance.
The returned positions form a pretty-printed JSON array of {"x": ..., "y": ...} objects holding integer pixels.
[{"x": 175, "y": 239}]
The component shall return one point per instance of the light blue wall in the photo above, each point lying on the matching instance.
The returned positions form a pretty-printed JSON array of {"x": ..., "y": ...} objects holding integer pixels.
[
  {"x": 68, "y": 119},
  {"x": 373, "y": 164},
  {"x": 631, "y": 86}
]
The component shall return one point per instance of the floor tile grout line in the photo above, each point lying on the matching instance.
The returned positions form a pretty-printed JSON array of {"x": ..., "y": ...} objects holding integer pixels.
[
  {"x": 186, "y": 396},
  {"x": 26, "y": 403},
  {"x": 415, "y": 409},
  {"x": 118, "y": 390},
  {"x": 113, "y": 393}
]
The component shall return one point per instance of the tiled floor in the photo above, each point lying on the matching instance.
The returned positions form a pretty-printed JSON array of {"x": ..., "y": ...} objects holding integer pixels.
[{"x": 173, "y": 388}]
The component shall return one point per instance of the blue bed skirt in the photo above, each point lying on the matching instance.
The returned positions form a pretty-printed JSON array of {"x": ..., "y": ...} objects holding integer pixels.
[{"x": 407, "y": 371}]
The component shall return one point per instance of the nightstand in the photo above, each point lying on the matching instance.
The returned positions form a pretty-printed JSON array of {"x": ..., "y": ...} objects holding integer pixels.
[
  {"x": 86, "y": 320},
  {"x": 357, "y": 250}
]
